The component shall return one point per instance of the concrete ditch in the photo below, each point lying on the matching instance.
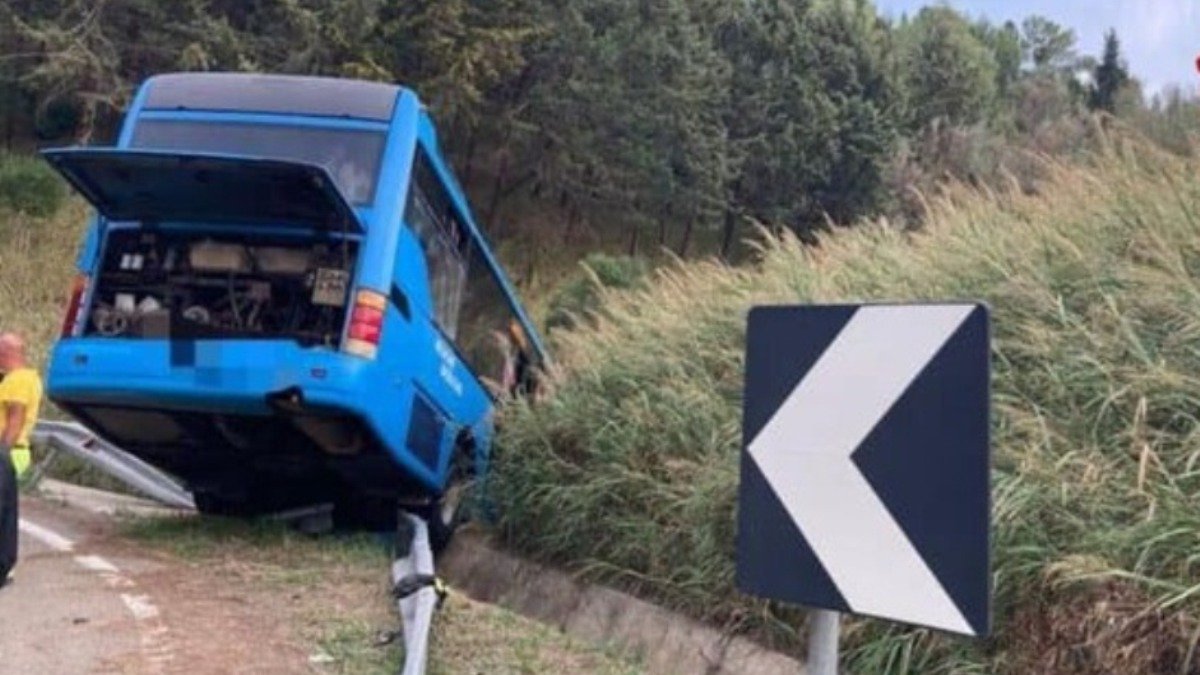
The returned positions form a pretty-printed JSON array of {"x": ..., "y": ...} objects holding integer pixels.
[{"x": 667, "y": 643}]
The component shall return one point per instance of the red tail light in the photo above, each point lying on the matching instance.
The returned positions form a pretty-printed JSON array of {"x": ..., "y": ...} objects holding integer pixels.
[
  {"x": 366, "y": 323},
  {"x": 74, "y": 301}
]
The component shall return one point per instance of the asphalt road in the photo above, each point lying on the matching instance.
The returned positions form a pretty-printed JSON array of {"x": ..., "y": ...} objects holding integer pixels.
[{"x": 71, "y": 607}]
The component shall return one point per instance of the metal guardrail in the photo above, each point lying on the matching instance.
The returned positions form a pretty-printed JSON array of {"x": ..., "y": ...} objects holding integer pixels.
[
  {"x": 77, "y": 440},
  {"x": 417, "y": 590}
]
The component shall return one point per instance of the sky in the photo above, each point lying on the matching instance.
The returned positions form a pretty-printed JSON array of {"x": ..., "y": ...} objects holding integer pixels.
[{"x": 1160, "y": 39}]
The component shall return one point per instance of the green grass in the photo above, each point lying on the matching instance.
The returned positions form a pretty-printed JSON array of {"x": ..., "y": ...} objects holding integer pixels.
[
  {"x": 208, "y": 537},
  {"x": 29, "y": 186},
  {"x": 628, "y": 470}
]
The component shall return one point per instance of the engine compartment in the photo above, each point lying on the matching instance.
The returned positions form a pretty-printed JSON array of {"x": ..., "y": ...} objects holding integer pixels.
[{"x": 159, "y": 284}]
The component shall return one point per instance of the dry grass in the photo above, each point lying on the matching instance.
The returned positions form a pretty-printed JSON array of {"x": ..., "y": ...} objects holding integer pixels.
[
  {"x": 629, "y": 470},
  {"x": 37, "y": 263},
  {"x": 37, "y": 257},
  {"x": 332, "y": 595}
]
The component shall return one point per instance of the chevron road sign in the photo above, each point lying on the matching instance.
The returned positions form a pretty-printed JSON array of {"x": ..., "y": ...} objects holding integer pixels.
[{"x": 864, "y": 471}]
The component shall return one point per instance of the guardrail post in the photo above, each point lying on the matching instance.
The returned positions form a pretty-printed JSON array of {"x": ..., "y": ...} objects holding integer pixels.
[
  {"x": 41, "y": 468},
  {"x": 417, "y": 590}
]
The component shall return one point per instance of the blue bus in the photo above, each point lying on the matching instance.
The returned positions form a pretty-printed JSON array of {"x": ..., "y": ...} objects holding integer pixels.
[{"x": 283, "y": 299}]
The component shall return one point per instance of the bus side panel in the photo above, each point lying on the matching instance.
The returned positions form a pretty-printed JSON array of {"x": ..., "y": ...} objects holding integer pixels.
[
  {"x": 452, "y": 395},
  {"x": 418, "y": 423},
  {"x": 469, "y": 404}
]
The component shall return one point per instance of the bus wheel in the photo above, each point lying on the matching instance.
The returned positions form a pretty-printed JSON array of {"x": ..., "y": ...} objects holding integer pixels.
[{"x": 451, "y": 508}]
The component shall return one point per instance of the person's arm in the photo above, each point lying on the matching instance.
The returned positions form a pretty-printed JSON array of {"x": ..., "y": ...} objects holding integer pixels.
[{"x": 14, "y": 421}]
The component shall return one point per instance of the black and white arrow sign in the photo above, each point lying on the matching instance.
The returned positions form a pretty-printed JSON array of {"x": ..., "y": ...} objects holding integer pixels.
[{"x": 865, "y": 462}]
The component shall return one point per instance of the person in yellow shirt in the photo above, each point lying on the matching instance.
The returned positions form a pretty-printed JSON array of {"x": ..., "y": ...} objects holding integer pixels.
[{"x": 20, "y": 403}]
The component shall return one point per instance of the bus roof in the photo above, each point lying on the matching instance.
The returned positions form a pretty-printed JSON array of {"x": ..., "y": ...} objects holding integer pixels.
[{"x": 270, "y": 93}]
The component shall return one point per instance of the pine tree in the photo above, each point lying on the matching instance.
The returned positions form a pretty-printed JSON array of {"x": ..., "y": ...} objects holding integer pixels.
[{"x": 1110, "y": 76}]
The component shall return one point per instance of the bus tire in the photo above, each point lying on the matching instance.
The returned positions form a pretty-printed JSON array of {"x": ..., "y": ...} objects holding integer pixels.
[{"x": 451, "y": 508}]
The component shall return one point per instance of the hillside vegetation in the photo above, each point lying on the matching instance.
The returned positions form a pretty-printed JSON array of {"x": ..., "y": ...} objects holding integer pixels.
[
  {"x": 628, "y": 469},
  {"x": 622, "y": 125},
  {"x": 40, "y": 234},
  {"x": 626, "y": 124}
]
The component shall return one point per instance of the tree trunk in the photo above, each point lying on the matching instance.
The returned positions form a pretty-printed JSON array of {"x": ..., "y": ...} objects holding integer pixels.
[
  {"x": 497, "y": 188},
  {"x": 469, "y": 163},
  {"x": 686, "y": 242},
  {"x": 10, "y": 129},
  {"x": 633, "y": 240},
  {"x": 87, "y": 124},
  {"x": 728, "y": 232},
  {"x": 572, "y": 216},
  {"x": 13, "y": 103},
  {"x": 662, "y": 231}
]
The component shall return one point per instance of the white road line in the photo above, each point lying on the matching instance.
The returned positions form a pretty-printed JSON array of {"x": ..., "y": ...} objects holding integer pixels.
[
  {"x": 96, "y": 564},
  {"x": 154, "y": 634},
  {"x": 140, "y": 606},
  {"x": 52, "y": 539}
]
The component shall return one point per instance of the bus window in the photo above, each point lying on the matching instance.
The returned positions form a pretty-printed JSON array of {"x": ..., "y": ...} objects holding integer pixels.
[
  {"x": 352, "y": 156},
  {"x": 485, "y": 320},
  {"x": 440, "y": 232},
  {"x": 470, "y": 304}
]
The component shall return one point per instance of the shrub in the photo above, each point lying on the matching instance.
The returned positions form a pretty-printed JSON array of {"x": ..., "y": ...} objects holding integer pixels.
[
  {"x": 580, "y": 295},
  {"x": 28, "y": 186}
]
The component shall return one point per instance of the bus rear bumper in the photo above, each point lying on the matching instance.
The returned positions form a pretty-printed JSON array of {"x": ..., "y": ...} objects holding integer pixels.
[{"x": 286, "y": 405}]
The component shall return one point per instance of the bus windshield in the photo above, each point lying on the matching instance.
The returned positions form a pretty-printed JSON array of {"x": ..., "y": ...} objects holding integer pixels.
[{"x": 352, "y": 156}]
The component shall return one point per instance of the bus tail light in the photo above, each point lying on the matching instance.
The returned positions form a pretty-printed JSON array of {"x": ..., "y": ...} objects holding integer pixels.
[
  {"x": 366, "y": 324},
  {"x": 74, "y": 303}
]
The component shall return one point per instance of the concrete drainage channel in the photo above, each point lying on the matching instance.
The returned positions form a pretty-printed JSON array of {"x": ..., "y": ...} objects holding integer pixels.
[
  {"x": 668, "y": 643},
  {"x": 665, "y": 642}
]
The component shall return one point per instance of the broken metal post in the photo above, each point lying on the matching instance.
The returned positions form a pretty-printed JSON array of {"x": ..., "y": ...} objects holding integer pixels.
[{"x": 416, "y": 588}]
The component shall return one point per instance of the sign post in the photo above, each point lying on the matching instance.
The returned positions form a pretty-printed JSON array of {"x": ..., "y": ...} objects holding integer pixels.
[
  {"x": 865, "y": 466},
  {"x": 823, "y": 642}
]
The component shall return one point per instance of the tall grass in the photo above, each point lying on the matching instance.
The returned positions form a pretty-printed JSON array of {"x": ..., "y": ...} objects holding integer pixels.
[
  {"x": 37, "y": 261},
  {"x": 628, "y": 470}
]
